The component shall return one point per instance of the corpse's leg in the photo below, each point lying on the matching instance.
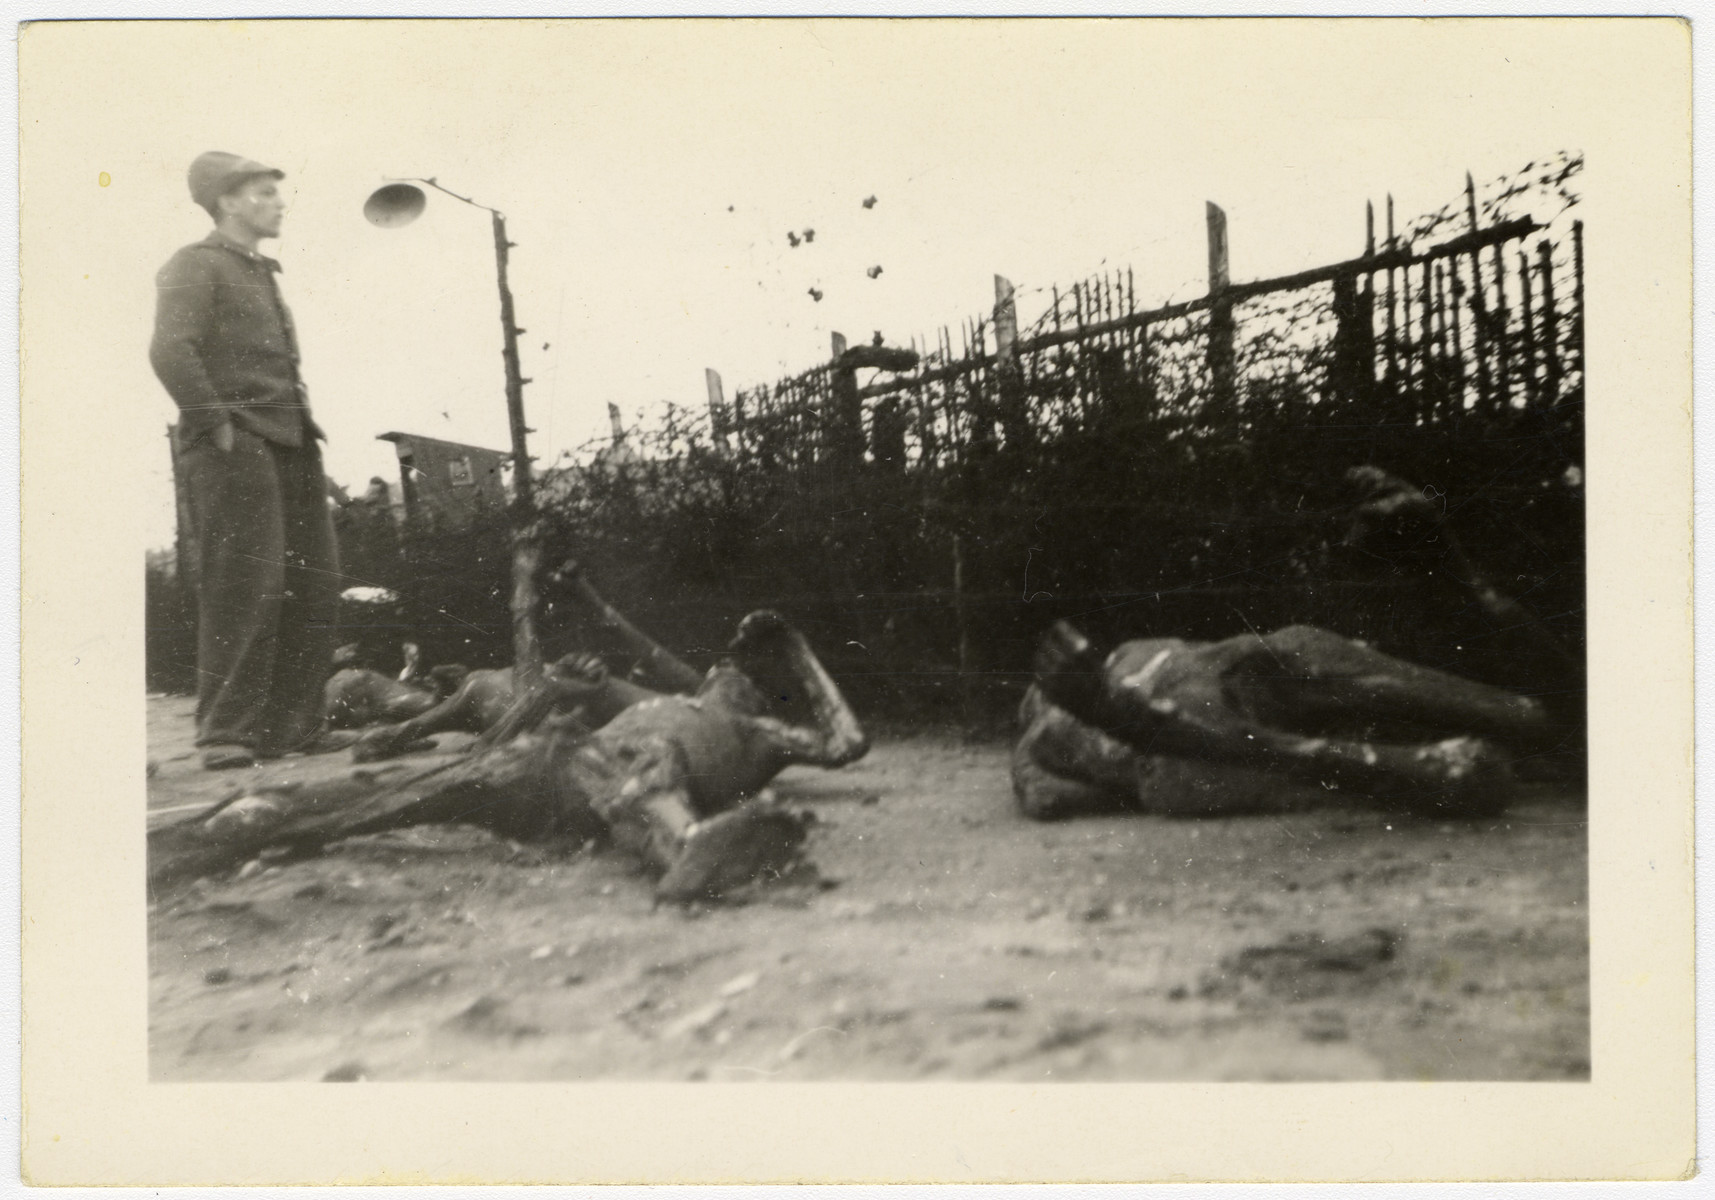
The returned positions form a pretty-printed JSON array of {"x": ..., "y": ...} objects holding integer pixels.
[
  {"x": 1455, "y": 775},
  {"x": 652, "y": 809},
  {"x": 575, "y": 687},
  {"x": 407, "y": 703},
  {"x": 1309, "y": 679},
  {"x": 1062, "y": 767},
  {"x": 644, "y": 802},
  {"x": 354, "y": 698},
  {"x": 534, "y": 787},
  {"x": 648, "y": 808},
  {"x": 461, "y": 710}
]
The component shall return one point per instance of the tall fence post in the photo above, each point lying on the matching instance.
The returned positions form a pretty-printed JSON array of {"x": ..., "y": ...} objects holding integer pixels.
[
  {"x": 1014, "y": 415},
  {"x": 1221, "y": 362},
  {"x": 1502, "y": 343},
  {"x": 738, "y": 429},
  {"x": 967, "y": 714},
  {"x": 1527, "y": 330},
  {"x": 1578, "y": 293},
  {"x": 527, "y": 529},
  {"x": 1390, "y": 375},
  {"x": 717, "y": 410},
  {"x": 1550, "y": 325},
  {"x": 1427, "y": 388},
  {"x": 844, "y": 422},
  {"x": 1479, "y": 302},
  {"x": 1353, "y": 367}
]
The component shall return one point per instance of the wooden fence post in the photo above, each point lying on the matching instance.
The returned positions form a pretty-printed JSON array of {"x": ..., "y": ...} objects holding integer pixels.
[
  {"x": 1221, "y": 364},
  {"x": 717, "y": 410},
  {"x": 1453, "y": 345},
  {"x": 1367, "y": 309},
  {"x": 1353, "y": 371},
  {"x": 527, "y": 529},
  {"x": 1502, "y": 324},
  {"x": 1390, "y": 375},
  {"x": 1479, "y": 303},
  {"x": 1578, "y": 292},
  {"x": 979, "y": 409},
  {"x": 1005, "y": 321},
  {"x": 966, "y": 713},
  {"x": 1527, "y": 328},
  {"x": 1014, "y": 415},
  {"x": 844, "y": 421},
  {"x": 1345, "y": 370},
  {"x": 1550, "y": 325},
  {"x": 1434, "y": 395},
  {"x": 928, "y": 445}
]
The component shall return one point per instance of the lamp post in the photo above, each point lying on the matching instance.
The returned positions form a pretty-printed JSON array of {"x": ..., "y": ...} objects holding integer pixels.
[{"x": 397, "y": 204}]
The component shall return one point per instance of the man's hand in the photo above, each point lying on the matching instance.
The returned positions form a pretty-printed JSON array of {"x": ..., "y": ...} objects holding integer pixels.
[{"x": 222, "y": 437}]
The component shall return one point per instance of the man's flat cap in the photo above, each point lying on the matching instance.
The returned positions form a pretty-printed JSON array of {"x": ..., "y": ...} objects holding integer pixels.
[{"x": 216, "y": 173}]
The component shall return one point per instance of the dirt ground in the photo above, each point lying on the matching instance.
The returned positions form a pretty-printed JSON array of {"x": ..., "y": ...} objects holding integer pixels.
[{"x": 947, "y": 938}]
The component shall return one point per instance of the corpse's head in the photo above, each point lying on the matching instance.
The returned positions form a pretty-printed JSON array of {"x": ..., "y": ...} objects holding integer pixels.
[
  {"x": 727, "y": 685},
  {"x": 445, "y": 679},
  {"x": 1389, "y": 513}
]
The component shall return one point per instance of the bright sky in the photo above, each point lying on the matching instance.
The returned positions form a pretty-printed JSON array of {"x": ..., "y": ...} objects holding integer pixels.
[{"x": 650, "y": 173}]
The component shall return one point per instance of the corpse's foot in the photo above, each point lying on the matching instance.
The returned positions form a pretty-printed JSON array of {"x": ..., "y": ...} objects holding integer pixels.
[
  {"x": 1069, "y": 670},
  {"x": 730, "y": 850},
  {"x": 1472, "y": 779},
  {"x": 324, "y": 741},
  {"x": 760, "y": 631},
  {"x": 377, "y": 744},
  {"x": 228, "y": 758}
]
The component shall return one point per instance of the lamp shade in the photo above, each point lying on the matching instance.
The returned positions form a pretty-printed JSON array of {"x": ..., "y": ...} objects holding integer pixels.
[{"x": 395, "y": 205}]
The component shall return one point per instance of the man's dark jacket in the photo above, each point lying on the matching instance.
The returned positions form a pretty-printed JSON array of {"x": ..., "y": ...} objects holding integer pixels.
[{"x": 225, "y": 347}]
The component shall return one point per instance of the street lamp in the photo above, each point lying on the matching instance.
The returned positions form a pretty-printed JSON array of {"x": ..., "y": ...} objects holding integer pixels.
[{"x": 397, "y": 204}]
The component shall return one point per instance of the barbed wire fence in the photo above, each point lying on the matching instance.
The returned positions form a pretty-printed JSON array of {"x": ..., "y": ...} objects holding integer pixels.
[{"x": 1175, "y": 470}]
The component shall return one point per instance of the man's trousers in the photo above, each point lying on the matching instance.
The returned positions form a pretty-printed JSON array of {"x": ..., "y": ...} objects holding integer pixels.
[{"x": 267, "y": 591}]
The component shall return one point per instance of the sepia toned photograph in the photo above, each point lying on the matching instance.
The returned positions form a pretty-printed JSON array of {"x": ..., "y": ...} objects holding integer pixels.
[
  {"x": 1140, "y": 713},
  {"x": 777, "y": 552}
]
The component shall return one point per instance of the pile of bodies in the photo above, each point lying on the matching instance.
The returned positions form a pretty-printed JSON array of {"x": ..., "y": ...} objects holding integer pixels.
[{"x": 675, "y": 779}]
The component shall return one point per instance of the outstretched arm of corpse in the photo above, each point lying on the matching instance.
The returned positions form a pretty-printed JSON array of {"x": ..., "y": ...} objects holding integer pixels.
[
  {"x": 667, "y": 670},
  {"x": 836, "y": 737}
]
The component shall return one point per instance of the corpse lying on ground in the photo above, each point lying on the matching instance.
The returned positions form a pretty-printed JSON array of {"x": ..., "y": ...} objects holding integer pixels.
[
  {"x": 673, "y": 779},
  {"x": 1205, "y": 728}
]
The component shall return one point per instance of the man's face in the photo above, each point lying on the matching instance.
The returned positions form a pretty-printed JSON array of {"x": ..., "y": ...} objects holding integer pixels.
[{"x": 257, "y": 205}]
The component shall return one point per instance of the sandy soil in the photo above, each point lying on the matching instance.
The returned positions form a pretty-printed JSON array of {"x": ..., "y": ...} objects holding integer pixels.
[{"x": 947, "y": 938}]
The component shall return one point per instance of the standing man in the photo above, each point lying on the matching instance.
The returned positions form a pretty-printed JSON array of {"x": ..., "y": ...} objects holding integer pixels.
[{"x": 267, "y": 579}]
